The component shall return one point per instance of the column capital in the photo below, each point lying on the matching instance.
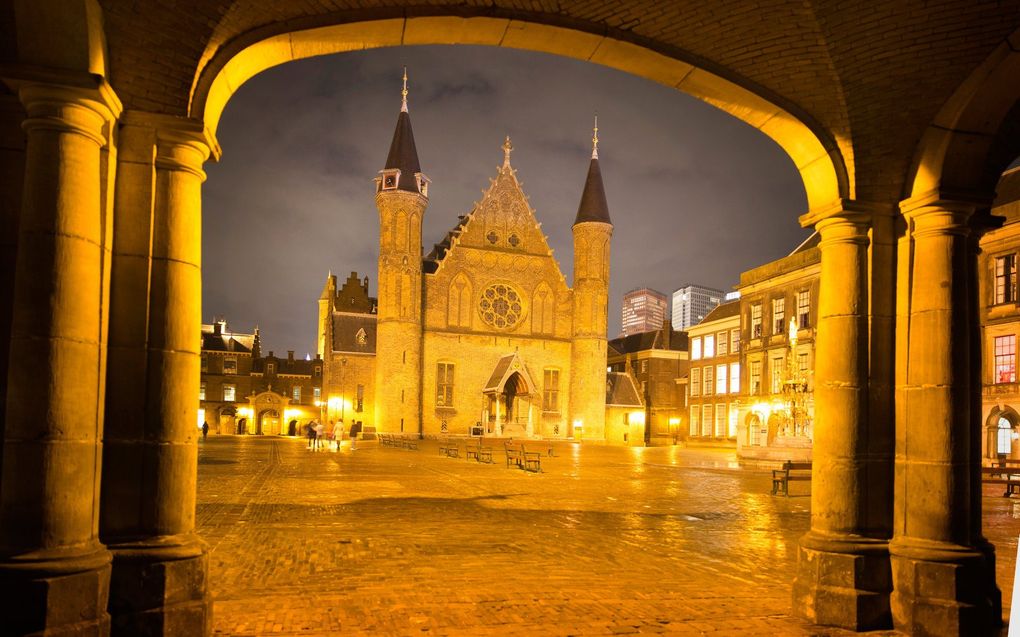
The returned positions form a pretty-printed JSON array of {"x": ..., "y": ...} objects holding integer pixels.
[
  {"x": 88, "y": 111},
  {"x": 959, "y": 201},
  {"x": 847, "y": 211}
]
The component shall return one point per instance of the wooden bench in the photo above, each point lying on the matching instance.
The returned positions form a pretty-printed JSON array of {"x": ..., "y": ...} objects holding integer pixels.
[
  {"x": 514, "y": 454},
  {"x": 1009, "y": 476},
  {"x": 789, "y": 471},
  {"x": 449, "y": 448},
  {"x": 480, "y": 452},
  {"x": 532, "y": 458}
]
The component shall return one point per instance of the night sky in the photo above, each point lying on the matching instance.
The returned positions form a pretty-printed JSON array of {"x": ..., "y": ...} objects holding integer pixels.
[{"x": 696, "y": 196}]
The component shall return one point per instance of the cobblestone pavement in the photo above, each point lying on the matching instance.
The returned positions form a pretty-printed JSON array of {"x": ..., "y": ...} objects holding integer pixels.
[{"x": 604, "y": 541}]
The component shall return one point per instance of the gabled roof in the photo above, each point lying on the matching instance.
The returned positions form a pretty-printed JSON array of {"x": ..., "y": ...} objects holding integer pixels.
[
  {"x": 506, "y": 367},
  {"x": 621, "y": 391},
  {"x": 593, "y": 205},
  {"x": 722, "y": 311},
  {"x": 643, "y": 341},
  {"x": 347, "y": 326},
  {"x": 223, "y": 341}
]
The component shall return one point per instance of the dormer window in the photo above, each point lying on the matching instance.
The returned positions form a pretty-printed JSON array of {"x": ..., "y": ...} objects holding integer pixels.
[
  {"x": 389, "y": 179},
  {"x": 423, "y": 184},
  {"x": 360, "y": 337},
  {"x": 271, "y": 369}
]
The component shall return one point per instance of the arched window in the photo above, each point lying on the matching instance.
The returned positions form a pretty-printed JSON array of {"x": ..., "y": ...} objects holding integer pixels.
[{"x": 1004, "y": 439}]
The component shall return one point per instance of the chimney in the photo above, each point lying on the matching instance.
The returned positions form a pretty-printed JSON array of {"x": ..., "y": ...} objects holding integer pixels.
[
  {"x": 217, "y": 326},
  {"x": 271, "y": 354},
  {"x": 290, "y": 356}
]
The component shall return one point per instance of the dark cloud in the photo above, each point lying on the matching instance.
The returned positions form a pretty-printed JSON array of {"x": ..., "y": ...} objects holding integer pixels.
[{"x": 695, "y": 195}]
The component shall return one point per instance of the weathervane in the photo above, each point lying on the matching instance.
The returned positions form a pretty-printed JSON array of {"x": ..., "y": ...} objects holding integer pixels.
[
  {"x": 595, "y": 139},
  {"x": 507, "y": 147},
  {"x": 403, "y": 94}
]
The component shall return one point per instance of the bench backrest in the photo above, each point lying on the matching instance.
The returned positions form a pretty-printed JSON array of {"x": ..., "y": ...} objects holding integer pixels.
[
  {"x": 796, "y": 466},
  {"x": 513, "y": 446}
]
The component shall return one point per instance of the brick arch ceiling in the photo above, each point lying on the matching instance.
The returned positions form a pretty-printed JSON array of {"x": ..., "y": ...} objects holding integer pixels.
[{"x": 867, "y": 77}]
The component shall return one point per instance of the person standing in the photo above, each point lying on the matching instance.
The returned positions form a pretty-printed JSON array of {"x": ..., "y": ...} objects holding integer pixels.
[
  {"x": 311, "y": 435},
  {"x": 205, "y": 430},
  {"x": 319, "y": 430},
  {"x": 338, "y": 433}
]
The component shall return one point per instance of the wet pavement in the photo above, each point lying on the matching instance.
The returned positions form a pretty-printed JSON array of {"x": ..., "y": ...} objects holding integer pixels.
[{"x": 605, "y": 540}]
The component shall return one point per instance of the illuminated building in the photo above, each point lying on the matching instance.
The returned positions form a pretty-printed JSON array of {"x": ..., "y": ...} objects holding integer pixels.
[
  {"x": 243, "y": 392},
  {"x": 483, "y": 333},
  {"x": 692, "y": 303},
  {"x": 713, "y": 382},
  {"x": 655, "y": 361},
  {"x": 644, "y": 310},
  {"x": 778, "y": 319},
  {"x": 1000, "y": 324}
]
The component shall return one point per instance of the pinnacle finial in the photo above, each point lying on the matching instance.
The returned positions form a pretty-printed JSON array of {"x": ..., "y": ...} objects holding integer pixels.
[
  {"x": 507, "y": 147},
  {"x": 595, "y": 139},
  {"x": 403, "y": 94}
]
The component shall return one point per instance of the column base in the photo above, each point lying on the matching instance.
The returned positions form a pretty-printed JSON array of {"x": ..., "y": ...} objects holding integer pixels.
[
  {"x": 843, "y": 582},
  {"x": 55, "y": 594},
  {"x": 160, "y": 588},
  {"x": 943, "y": 589}
]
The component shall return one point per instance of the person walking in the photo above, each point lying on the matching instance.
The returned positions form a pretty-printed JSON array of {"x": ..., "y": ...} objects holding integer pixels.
[
  {"x": 205, "y": 430},
  {"x": 338, "y": 434},
  {"x": 311, "y": 435},
  {"x": 319, "y": 430}
]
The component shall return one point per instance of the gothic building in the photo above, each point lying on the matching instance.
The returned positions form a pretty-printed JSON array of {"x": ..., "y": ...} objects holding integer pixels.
[{"x": 483, "y": 331}]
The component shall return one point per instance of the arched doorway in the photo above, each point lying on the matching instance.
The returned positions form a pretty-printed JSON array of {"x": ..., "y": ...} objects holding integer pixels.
[
  {"x": 508, "y": 399},
  {"x": 754, "y": 436},
  {"x": 242, "y": 426},
  {"x": 268, "y": 422},
  {"x": 1002, "y": 430}
]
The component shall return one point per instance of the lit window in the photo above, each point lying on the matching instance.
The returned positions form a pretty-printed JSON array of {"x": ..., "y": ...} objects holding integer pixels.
[
  {"x": 778, "y": 316},
  {"x": 695, "y": 421},
  {"x": 1005, "y": 438},
  {"x": 709, "y": 346},
  {"x": 734, "y": 341},
  {"x": 707, "y": 380},
  {"x": 777, "y": 375},
  {"x": 644, "y": 367},
  {"x": 271, "y": 368},
  {"x": 359, "y": 406},
  {"x": 721, "y": 339},
  {"x": 296, "y": 393},
  {"x": 551, "y": 390},
  {"x": 317, "y": 393},
  {"x": 755, "y": 377},
  {"x": 696, "y": 349},
  {"x": 1005, "y": 359},
  {"x": 802, "y": 362},
  {"x": 731, "y": 430},
  {"x": 720, "y": 379},
  {"x": 229, "y": 393},
  {"x": 229, "y": 365},
  {"x": 361, "y": 337},
  {"x": 1005, "y": 279},
  {"x": 734, "y": 378},
  {"x": 696, "y": 381},
  {"x": 720, "y": 421},
  {"x": 201, "y": 391},
  {"x": 804, "y": 309},
  {"x": 318, "y": 371},
  {"x": 706, "y": 420},
  {"x": 444, "y": 385},
  {"x": 756, "y": 320}
]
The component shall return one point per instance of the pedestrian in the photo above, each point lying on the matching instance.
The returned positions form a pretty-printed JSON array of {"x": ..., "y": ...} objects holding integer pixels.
[
  {"x": 311, "y": 434},
  {"x": 338, "y": 433},
  {"x": 205, "y": 430},
  {"x": 319, "y": 429}
]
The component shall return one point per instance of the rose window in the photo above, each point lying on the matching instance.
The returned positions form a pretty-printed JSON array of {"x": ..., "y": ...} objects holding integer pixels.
[{"x": 500, "y": 306}]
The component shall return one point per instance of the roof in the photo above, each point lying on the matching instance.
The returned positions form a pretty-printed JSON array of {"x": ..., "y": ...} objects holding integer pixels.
[
  {"x": 593, "y": 199},
  {"x": 621, "y": 391},
  {"x": 431, "y": 261},
  {"x": 506, "y": 367},
  {"x": 403, "y": 155},
  {"x": 811, "y": 242},
  {"x": 723, "y": 311},
  {"x": 294, "y": 366},
  {"x": 223, "y": 341},
  {"x": 649, "y": 340},
  {"x": 353, "y": 296},
  {"x": 347, "y": 326}
]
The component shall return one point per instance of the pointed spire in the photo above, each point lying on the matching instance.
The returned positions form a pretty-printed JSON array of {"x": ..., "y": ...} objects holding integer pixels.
[
  {"x": 403, "y": 94},
  {"x": 507, "y": 148},
  {"x": 403, "y": 155},
  {"x": 593, "y": 199}
]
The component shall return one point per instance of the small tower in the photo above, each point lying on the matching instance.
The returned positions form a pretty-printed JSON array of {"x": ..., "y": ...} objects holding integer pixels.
[
  {"x": 401, "y": 197},
  {"x": 592, "y": 233},
  {"x": 326, "y": 315}
]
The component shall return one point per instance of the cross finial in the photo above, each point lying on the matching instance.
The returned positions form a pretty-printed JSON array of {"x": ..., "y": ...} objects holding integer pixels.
[
  {"x": 595, "y": 140},
  {"x": 403, "y": 94},
  {"x": 507, "y": 147}
]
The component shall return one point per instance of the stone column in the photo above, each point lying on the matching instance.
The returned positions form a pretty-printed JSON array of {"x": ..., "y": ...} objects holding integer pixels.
[
  {"x": 12, "y": 178},
  {"x": 54, "y": 572},
  {"x": 158, "y": 584},
  {"x": 843, "y": 576},
  {"x": 943, "y": 571}
]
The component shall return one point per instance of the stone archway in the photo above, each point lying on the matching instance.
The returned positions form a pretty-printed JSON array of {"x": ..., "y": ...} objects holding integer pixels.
[
  {"x": 850, "y": 140},
  {"x": 1002, "y": 430}
]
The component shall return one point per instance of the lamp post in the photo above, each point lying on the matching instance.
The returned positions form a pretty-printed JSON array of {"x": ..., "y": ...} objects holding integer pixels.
[{"x": 343, "y": 374}]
